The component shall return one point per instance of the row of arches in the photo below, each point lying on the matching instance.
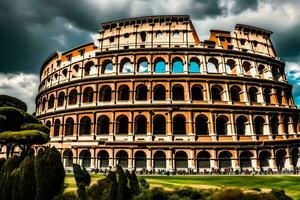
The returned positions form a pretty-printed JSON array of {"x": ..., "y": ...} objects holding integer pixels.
[
  {"x": 203, "y": 159},
  {"x": 197, "y": 93},
  {"x": 222, "y": 125}
]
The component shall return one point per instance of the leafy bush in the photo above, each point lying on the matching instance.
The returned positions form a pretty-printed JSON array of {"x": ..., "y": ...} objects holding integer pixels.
[
  {"x": 228, "y": 194},
  {"x": 9, "y": 101}
]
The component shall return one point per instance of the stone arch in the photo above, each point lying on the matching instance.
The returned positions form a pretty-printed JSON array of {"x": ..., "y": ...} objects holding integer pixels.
[
  {"x": 203, "y": 160},
  {"x": 88, "y": 95},
  {"x": 264, "y": 159},
  {"x": 235, "y": 93},
  {"x": 90, "y": 69},
  {"x": 280, "y": 159},
  {"x": 142, "y": 65},
  {"x": 105, "y": 93},
  {"x": 177, "y": 92},
  {"x": 61, "y": 99},
  {"x": 181, "y": 160},
  {"x": 159, "y": 65},
  {"x": 241, "y": 125},
  {"x": 56, "y": 127},
  {"x": 122, "y": 159},
  {"x": 140, "y": 160},
  {"x": 212, "y": 65},
  {"x": 245, "y": 159},
  {"x": 85, "y": 158},
  {"x": 222, "y": 125},
  {"x": 122, "y": 124},
  {"x": 103, "y": 159},
  {"x": 159, "y": 125},
  {"x": 225, "y": 159},
  {"x": 230, "y": 67},
  {"x": 201, "y": 125},
  {"x": 85, "y": 126},
  {"x": 253, "y": 94},
  {"x": 179, "y": 127},
  {"x": 177, "y": 65},
  {"x": 159, "y": 92},
  {"x": 50, "y": 102},
  {"x": 259, "y": 123},
  {"x": 107, "y": 67},
  {"x": 126, "y": 66},
  {"x": 124, "y": 93},
  {"x": 140, "y": 125},
  {"x": 141, "y": 92},
  {"x": 72, "y": 97},
  {"x": 102, "y": 125},
  {"x": 159, "y": 160},
  {"x": 217, "y": 93},
  {"x": 68, "y": 158},
  {"x": 274, "y": 124},
  {"x": 194, "y": 65},
  {"x": 247, "y": 68},
  {"x": 197, "y": 92},
  {"x": 69, "y": 127}
]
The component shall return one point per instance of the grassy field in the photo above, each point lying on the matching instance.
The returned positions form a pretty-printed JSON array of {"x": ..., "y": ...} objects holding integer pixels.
[{"x": 291, "y": 184}]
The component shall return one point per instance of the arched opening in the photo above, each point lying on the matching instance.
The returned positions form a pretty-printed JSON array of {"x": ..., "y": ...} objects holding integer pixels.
[
  {"x": 122, "y": 125},
  {"x": 253, "y": 94},
  {"x": 140, "y": 160},
  {"x": 241, "y": 125},
  {"x": 85, "y": 158},
  {"x": 181, "y": 160},
  {"x": 286, "y": 121},
  {"x": 68, "y": 158},
  {"x": 247, "y": 68},
  {"x": 177, "y": 92},
  {"x": 203, "y": 160},
  {"x": 74, "y": 71},
  {"x": 295, "y": 157},
  {"x": 143, "y": 36},
  {"x": 69, "y": 127},
  {"x": 61, "y": 99},
  {"x": 44, "y": 104},
  {"x": 88, "y": 94},
  {"x": 56, "y": 127},
  {"x": 212, "y": 65},
  {"x": 123, "y": 93},
  {"x": 267, "y": 96},
  {"x": 280, "y": 159},
  {"x": 141, "y": 125},
  {"x": 122, "y": 159},
  {"x": 177, "y": 65},
  {"x": 221, "y": 125},
  {"x": 264, "y": 158},
  {"x": 48, "y": 124},
  {"x": 73, "y": 97},
  {"x": 103, "y": 159},
  {"x": 225, "y": 159},
  {"x": 261, "y": 71},
  {"x": 105, "y": 93},
  {"x": 179, "y": 125},
  {"x": 107, "y": 67},
  {"x": 159, "y": 160},
  {"x": 102, "y": 125},
  {"x": 90, "y": 69},
  {"x": 245, "y": 159},
  {"x": 235, "y": 92},
  {"x": 201, "y": 125},
  {"x": 143, "y": 65},
  {"x": 141, "y": 93},
  {"x": 159, "y": 125},
  {"x": 259, "y": 123},
  {"x": 50, "y": 102},
  {"x": 159, "y": 66},
  {"x": 126, "y": 66},
  {"x": 194, "y": 65},
  {"x": 230, "y": 67},
  {"x": 159, "y": 92},
  {"x": 216, "y": 93},
  {"x": 197, "y": 92},
  {"x": 274, "y": 123},
  {"x": 85, "y": 126},
  {"x": 276, "y": 73},
  {"x": 279, "y": 95}
]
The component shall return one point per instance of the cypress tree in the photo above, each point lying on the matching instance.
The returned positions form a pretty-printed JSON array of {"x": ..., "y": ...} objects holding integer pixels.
[
  {"x": 15, "y": 175},
  {"x": 123, "y": 190},
  {"x": 27, "y": 181},
  {"x": 83, "y": 179}
]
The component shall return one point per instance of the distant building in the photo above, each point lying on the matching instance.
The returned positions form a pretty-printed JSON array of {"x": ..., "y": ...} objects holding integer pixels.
[{"x": 149, "y": 94}]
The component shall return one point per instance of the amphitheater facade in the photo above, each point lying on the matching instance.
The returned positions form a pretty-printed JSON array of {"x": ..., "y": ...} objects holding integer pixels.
[{"x": 148, "y": 94}]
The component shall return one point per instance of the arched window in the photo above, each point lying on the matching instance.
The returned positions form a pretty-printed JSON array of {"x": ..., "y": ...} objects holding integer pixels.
[
  {"x": 140, "y": 160},
  {"x": 68, "y": 158},
  {"x": 48, "y": 124},
  {"x": 194, "y": 65},
  {"x": 102, "y": 125},
  {"x": 201, "y": 125},
  {"x": 280, "y": 159},
  {"x": 73, "y": 97},
  {"x": 90, "y": 69},
  {"x": 143, "y": 36},
  {"x": 295, "y": 156},
  {"x": 126, "y": 66},
  {"x": 235, "y": 92},
  {"x": 253, "y": 94},
  {"x": 141, "y": 125},
  {"x": 181, "y": 160},
  {"x": 74, "y": 71},
  {"x": 264, "y": 158},
  {"x": 179, "y": 125},
  {"x": 69, "y": 127},
  {"x": 141, "y": 93},
  {"x": 247, "y": 68},
  {"x": 259, "y": 123},
  {"x": 241, "y": 125},
  {"x": 122, "y": 159},
  {"x": 51, "y": 101},
  {"x": 56, "y": 127},
  {"x": 159, "y": 92},
  {"x": 276, "y": 73},
  {"x": 159, "y": 66},
  {"x": 221, "y": 125},
  {"x": 274, "y": 123},
  {"x": 85, "y": 158},
  {"x": 123, "y": 93},
  {"x": 177, "y": 92},
  {"x": 159, "y": 160},
  {"x": 88, "y": 94},
  {"x": 103, "y": 159},
  {"x": 177, "y": 65},
  {"x": 142, "y": 65},
  {"x": 230, "y": 67},
  {"x": 212, "y": 65},
  {"x": 105, "y": 93},
  {"x": 44, "y": 104},
  {"x": 225, "y": 159},
  {"x": 107, "y": 67},
  {"x": 216, "y": 92},
  {"x": 61, "y": 99},
  {"x": 267, "y": 96},
  {"x": 159, "y": 125},
  {"x": 286, "y": 122},
  {"x": 197, "y": 92},
  {"x": 85, "y": 126},
  {"x": 122, "y": 125},
  {"x": 245, "y": 159},
  {"x": 203, "y": 160},
  {"x": 279, "y": 95},
  {"x": 261, "y": 71}
]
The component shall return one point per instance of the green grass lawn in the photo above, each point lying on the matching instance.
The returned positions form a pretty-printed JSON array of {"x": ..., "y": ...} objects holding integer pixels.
[{"x": 291, "y": 184}]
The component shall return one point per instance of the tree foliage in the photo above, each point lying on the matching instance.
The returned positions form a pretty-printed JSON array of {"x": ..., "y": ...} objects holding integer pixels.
[
  {"x": 83, "y": 179},
  {"x": 9, "y": 101}
]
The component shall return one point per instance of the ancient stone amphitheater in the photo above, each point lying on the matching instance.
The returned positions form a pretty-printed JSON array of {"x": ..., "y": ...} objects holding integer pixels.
[{"x": 148, "y": 94}]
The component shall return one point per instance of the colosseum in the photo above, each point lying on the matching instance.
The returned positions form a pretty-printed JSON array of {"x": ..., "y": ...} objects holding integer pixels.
[{"x": 148, "y": 94}]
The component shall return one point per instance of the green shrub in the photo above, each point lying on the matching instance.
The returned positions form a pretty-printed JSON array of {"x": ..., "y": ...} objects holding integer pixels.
[
  {"x": 27, "y": 181},
  {"x": 228, "y": 194},
  {"x": 83, "y": 179},
  {"x": 158, "y": 193}
]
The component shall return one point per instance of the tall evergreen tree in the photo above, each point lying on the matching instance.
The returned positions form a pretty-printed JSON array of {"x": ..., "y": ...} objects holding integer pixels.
[
  {"x": 123, "y": 190},
  {"x": 83, "y": 179},
  {"x": 27, "y": 181}
]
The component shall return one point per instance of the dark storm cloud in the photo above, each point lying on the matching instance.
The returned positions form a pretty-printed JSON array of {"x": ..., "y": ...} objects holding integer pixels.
[{"x": 240, "y": 6}]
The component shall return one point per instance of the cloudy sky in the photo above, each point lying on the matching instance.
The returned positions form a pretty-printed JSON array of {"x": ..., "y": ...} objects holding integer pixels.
[{"x": 32, "y": 29}]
